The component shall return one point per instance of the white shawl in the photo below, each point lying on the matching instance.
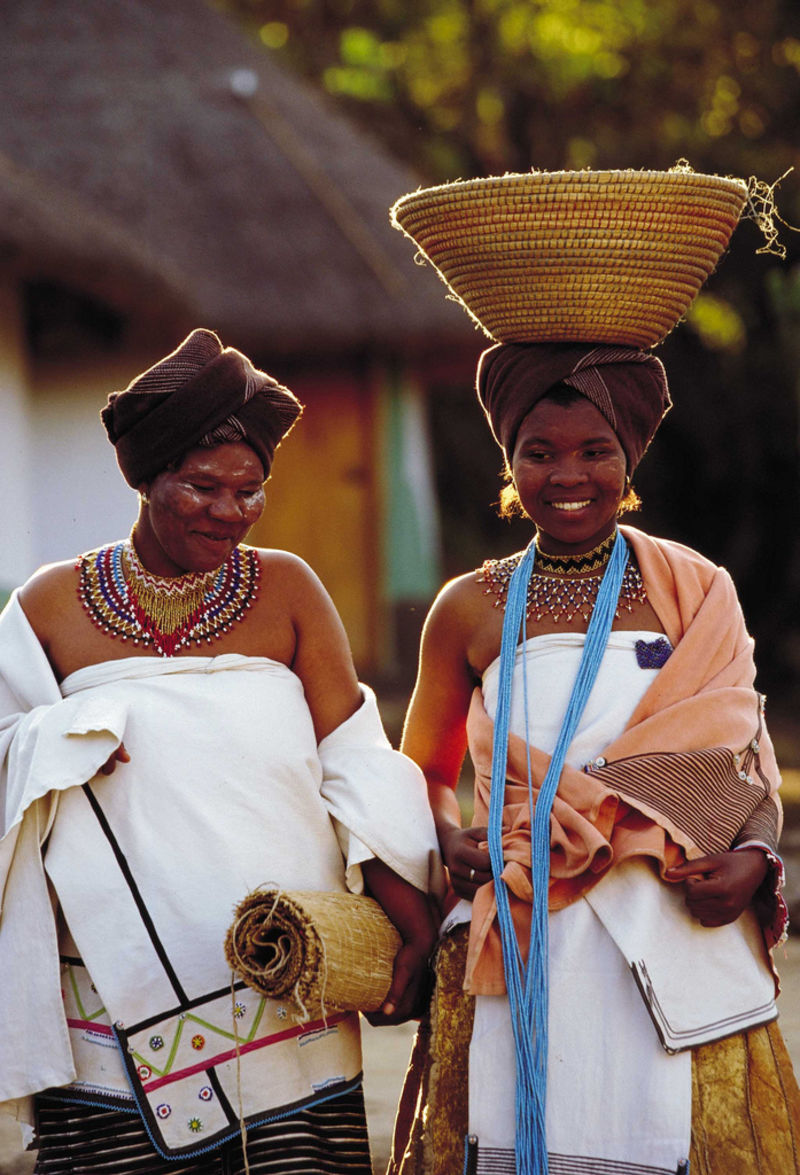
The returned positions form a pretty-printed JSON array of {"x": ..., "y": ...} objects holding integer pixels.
[{"x": 226, "y": 790}]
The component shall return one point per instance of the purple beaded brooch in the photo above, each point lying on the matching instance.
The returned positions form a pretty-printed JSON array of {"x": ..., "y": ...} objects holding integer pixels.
[{"x": 653, "y": 654}]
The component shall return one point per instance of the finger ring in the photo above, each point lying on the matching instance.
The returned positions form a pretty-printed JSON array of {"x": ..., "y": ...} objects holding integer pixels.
[{"x": 471, "y": 874}]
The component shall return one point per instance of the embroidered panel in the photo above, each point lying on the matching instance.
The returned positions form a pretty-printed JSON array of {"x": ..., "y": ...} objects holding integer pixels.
[
  {"x": 195, "y": 1071},
  {"x": 100, "y": 1073}
]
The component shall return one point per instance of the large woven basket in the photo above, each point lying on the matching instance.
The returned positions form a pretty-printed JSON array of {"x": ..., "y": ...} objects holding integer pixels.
[
  {"x": 323, "y": 951},
  {"x": 594, "y": 256}
]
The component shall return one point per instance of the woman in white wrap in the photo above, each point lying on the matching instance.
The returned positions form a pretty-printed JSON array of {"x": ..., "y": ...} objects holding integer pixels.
[
  {"x": 643, "y": 905},
  {"x": 181, "y": 722}
]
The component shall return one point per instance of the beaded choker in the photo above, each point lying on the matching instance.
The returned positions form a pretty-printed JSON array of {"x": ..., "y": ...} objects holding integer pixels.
[
  {"x": 124, "y": 600},
  {"x": 560, "y": 586},
  {"x": 575, "y": 564}
]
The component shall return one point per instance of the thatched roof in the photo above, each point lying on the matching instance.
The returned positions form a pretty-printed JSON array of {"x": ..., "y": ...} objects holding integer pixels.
[{"x": 150, "y": 154}]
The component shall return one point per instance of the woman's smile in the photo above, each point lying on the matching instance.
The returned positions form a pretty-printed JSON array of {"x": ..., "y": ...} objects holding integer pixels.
[{"x": 568, "y": 505}]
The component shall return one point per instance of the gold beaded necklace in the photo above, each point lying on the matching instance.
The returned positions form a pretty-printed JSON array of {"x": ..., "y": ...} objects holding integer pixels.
[
  {"x": 564, "y": 586},
  {"x": 123, "y": 599}
]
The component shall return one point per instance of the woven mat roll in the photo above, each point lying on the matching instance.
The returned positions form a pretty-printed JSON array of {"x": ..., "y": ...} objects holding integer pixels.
[
  {"x": 322, "y": 950},
  {"x": 591, "y": 256}
]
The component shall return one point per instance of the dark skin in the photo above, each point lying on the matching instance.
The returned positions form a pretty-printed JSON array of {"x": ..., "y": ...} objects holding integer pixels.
[
  {"x": 190, "y": 519},
  {"x": 569, "y": 471}
]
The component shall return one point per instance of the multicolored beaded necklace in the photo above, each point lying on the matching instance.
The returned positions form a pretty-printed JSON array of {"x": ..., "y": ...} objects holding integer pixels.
[
  {"x": 124, "y": 600},
  {"x": 560, "y": 586}
]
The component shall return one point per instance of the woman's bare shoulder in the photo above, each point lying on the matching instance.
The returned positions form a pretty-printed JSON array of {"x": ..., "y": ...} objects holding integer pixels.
[
  {"x": 49, "y": 583},
  {"x": 463, "y": 622},
  {"x": 464, "y": 600},
  {"x": 290, "y": 583},
  {"x": 49, "y": 596},
  {"x": 461, "y": 592},
  {"x": 285, "y": 566}
]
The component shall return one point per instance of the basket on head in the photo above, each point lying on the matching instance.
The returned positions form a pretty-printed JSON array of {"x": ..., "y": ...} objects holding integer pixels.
[{"x": 588, "y": 256}]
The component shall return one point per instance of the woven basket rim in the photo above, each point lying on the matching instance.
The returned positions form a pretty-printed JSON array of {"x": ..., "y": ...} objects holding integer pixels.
[
  {"x": 649, "y": 181},
  {"x": 621, "y": 250}
]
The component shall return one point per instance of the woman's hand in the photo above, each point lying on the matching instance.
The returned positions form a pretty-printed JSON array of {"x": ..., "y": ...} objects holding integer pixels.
[
  {"x": 469, "y": 866},
  {"x": 411, "y": 985},
  {"x": 720, "y": 887},
  {"x": 410, "y": 911},
  {"x": 118, "y": 756}
]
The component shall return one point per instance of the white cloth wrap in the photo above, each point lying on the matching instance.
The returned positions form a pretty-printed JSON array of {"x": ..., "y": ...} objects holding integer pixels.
[
  {"x": 614, "y": 1097},
  {"x": 226, "y": 790}
]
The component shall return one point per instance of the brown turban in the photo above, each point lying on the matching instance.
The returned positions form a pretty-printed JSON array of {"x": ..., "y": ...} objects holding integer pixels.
[
  {"x": 628, "y": 386},
  {"x": 201, "y": 394}
]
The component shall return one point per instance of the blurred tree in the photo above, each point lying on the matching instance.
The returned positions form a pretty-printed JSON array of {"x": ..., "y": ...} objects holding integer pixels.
[
  {"x": 468, "y": 87},
  {"x": 460, "y": 88}
]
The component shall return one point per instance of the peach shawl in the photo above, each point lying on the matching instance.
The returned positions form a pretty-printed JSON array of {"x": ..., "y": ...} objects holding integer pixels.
[{"x": 693, "y": 772}]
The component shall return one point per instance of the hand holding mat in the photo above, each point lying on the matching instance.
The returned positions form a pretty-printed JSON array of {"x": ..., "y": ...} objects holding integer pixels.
[{"x": 323, "y": 950}]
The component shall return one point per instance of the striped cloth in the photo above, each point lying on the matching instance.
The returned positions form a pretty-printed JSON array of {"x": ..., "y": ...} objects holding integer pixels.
[{"x": 327, "y": 1139}]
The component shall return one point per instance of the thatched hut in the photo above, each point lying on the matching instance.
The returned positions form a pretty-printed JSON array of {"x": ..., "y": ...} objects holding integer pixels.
[{"x": 159, "y": 172}]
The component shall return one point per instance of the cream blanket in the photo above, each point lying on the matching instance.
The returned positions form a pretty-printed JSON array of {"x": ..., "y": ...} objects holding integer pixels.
[{"x": 226, "y": 790}]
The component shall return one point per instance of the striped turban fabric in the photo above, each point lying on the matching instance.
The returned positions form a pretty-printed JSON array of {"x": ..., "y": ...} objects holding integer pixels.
[
  {"x": 202, "y": 394},
  {"x": 627, "y": 385}
]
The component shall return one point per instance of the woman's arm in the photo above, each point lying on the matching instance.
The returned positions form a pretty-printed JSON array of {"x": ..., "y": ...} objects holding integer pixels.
[
  {"x": 323, "y": 662},
  {"x": 435, "y": 729},
  {"x": 322, "y": 658},
  {"x": 410, "y": 911}
]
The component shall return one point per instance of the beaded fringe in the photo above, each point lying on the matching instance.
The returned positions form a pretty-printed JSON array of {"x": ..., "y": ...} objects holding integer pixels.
[
  {"x": 124, "y": 600},
  {"x": 560, "y": 596}
]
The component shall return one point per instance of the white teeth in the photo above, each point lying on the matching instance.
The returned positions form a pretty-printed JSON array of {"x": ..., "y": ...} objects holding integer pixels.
[{"x": 569, "y": 505}]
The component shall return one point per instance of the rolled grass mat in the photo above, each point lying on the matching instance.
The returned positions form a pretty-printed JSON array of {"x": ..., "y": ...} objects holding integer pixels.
[{"x": 325, "y": 951}]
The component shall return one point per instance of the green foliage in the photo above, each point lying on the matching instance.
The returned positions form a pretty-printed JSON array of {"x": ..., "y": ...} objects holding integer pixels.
[{"x": 475, "y": 86}]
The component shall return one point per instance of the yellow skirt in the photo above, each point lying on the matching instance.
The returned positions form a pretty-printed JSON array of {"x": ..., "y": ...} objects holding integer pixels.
[{"x": 745, "y": 1098}]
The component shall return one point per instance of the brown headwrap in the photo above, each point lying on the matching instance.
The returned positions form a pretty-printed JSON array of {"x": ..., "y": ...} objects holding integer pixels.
[
  {"x": 201, "y": 394},
  {"x": 628, "y": 386}
]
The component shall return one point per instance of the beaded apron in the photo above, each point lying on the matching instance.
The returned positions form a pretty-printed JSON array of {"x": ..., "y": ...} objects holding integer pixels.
[{"x": 124, "y": 600}]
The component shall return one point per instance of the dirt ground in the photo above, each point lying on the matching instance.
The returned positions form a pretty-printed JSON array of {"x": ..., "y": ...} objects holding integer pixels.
[{"x": 386, "y": 1054}]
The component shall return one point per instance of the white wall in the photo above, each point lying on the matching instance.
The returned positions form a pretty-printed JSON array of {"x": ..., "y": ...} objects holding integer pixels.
[
  {"x": 16, "y": 510},
  {"x": 79, "y": 498}
]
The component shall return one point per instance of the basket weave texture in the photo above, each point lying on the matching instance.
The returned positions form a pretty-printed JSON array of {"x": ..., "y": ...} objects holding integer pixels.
[
  {"x": 325, "y": 951},
  {"x": 584, "y": 256}
]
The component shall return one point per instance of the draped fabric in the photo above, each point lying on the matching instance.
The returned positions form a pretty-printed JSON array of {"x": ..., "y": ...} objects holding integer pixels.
[
  {"x": 715, "y": 780},
  {"x": 227, "y": 789},
  {"x": 745, "y": 1101}
]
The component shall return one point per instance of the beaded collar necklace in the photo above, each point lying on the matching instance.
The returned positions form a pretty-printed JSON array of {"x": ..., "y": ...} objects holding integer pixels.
[
  {"x": 564, "y": 586},
  {"x": 124, "y": 600}
]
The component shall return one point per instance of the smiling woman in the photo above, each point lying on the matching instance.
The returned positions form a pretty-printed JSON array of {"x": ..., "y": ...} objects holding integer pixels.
[
  {"x": 604, "y": 986},
  {"x": 183, "y": 713},
  {"x": 568, "y": 469},
  {"x": 553, "y": 920}
]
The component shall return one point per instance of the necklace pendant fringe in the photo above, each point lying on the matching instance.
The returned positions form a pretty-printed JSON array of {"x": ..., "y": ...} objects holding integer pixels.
[
  {"x": 124, "y": 600},
  {"x": 565, "y": 586}
]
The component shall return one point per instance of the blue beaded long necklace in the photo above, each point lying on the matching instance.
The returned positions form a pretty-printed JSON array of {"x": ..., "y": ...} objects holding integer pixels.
[{"x": 527, "y": 983}]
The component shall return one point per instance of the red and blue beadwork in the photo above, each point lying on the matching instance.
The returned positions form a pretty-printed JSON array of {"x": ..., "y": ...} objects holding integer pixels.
[{"x": 110, "y": 599}]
